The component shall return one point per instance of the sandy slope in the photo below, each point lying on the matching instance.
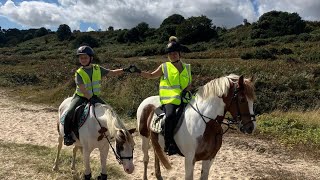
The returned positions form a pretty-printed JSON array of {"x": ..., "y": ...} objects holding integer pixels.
[{"x": 241, "y": 156}]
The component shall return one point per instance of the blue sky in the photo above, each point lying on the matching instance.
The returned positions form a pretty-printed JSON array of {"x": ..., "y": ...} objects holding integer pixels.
[{"x": 84, "y": 15}]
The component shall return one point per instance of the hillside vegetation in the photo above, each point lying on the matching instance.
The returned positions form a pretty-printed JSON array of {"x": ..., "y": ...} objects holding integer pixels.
[{"x": 287, "y": 65}]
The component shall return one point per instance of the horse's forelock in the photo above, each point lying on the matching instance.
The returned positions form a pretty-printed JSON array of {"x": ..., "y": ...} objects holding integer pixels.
[{"x": 123, "y": 136}]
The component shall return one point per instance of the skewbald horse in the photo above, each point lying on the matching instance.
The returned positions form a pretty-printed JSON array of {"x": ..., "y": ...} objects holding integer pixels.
[
  {"x": 199, "y": 137},
  {"x": 101, "y": 125}
]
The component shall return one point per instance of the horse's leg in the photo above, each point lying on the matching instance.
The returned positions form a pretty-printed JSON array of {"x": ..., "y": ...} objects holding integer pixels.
[
  {"x": 86, "y": 160},
  {"x": 205, "y": 169},
  {"x": 73, "y": 164},
  {"x": 56, "y": 161},
  {"x": 189, "y": 167},
  {"x": 103, "y": 159},
  {"x": 157, "y": 167},
  {"x": 145, "y": 148}
]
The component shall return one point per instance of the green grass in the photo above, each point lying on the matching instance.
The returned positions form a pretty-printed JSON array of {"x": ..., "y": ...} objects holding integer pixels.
[
  {"x": 296, "y": 130},
  {"x": 25, "y": 161}
]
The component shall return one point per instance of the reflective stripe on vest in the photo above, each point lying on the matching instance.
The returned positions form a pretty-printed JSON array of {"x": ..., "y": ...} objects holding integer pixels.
[
  {"x": 173, "y": 82},
  {"x": 94, "y": 87}
]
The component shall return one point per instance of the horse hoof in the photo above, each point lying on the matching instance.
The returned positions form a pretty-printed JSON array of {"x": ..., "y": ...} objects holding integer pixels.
[
  {"x": 87, "y": 177},
  {"x": 55, "y": 168},
  {"x": 102, "y": 177}
]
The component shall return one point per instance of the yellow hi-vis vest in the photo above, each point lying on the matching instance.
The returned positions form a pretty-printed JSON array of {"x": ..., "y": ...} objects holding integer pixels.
[
  {"x": 172, "y": 83},
  {"x": 93, "y": 87}
]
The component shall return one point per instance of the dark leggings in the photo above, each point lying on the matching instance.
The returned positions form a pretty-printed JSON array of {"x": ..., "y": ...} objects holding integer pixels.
[
  {"x": 75, "y": 102},
  {"x": 170, "y": 121}
]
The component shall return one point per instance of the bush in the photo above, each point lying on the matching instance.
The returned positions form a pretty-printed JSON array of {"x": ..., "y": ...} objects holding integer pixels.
[
  {"x": 263, "y": 54},
  {"x": 246, "y": 56},
  {"x": 260, "y": 42},
  {"x": 286, "y": 51},
  {"x": 198, "y": 48}
]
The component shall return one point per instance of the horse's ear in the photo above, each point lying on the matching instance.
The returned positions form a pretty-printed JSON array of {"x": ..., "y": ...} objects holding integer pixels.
[
  {"x": 131, "y": 131},
  {"x": 240, "y": 83},
  {"x": 253, "y": 79}
]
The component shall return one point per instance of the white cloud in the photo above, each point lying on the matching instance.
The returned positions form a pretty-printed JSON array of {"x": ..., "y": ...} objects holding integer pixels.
[
  {"x": 90, "y": 29},
  {"x": 307, "y": 9},
  {"x": 128, "y": 13},
  {"x": 37, "y": 14}
]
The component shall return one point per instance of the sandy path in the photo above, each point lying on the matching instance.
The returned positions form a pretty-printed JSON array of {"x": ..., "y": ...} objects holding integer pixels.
[{"x": 241, "y": 157}]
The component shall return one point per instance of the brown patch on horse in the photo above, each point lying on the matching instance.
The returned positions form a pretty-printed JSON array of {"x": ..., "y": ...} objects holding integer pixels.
[
  {"x": 245, "y": 89},
  {"x": 158, "y": 151},
  {"x": 211, "y": 140},
  {"x": 145, "y": 120},
  {"x": 120, "y": 139},
  {"x": 249, "y": 89}
]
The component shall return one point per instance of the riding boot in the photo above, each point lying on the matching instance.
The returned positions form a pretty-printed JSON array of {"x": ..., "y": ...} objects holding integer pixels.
[
  {"x": 167, "y": 138},
  {"x": 170, "y": 146},
  {"x": 68, "y": 140}
]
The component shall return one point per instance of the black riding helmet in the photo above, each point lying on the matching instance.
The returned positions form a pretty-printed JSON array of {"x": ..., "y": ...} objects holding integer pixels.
[
  {"x": 85, "y": 50},
  {"x": 173, "y": 47}
]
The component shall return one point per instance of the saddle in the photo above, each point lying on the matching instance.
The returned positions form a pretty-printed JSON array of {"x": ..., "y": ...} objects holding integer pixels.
[
  {"x": 79, "y": 118},
  {"x": 157, "y": 124}
]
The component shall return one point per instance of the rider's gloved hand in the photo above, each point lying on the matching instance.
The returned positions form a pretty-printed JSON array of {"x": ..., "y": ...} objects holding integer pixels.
[
  {"x": 93, "y": 99},
  {"x": 134, "y": 69},
  {"x": 127, "y": 69}
]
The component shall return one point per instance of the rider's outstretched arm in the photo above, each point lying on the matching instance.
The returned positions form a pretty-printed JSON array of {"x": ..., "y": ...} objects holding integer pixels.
[
  {"x": 115, "y": 72},
  {"x": 155, "y": 74}
]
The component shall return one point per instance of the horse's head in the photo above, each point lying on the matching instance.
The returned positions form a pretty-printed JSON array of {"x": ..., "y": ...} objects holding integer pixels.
[
  {"x": 124, "y": 149},
  {"x": 239, "y": 102}
]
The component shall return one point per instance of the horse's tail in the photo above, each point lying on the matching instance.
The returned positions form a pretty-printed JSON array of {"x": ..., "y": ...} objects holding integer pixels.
[{"x": 158, "y": 151}]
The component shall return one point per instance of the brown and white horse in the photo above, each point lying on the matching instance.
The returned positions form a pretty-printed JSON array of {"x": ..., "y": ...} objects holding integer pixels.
[
  {"x": 91, "y": 137},
  {"x": 199, "y": 137}
]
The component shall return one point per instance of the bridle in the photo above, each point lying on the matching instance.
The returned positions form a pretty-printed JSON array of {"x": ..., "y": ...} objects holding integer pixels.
[
  {"x": 219, "y": 119},
  {"x": 238, "y": 120},
  {"x": 102, "y": 132}
]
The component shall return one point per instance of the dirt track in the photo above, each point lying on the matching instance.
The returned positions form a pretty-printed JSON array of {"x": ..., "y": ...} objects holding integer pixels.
[{"x": 241, "y": 156}]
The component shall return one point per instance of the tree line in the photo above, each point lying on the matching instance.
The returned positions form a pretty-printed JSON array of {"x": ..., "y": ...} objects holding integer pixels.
[{"x": 190, "y": 30}]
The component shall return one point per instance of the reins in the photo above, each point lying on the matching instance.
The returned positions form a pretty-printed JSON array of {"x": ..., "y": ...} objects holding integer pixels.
[{"x": 102, "y": 132}]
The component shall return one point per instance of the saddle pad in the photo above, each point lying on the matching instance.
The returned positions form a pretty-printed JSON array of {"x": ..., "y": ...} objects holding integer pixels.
[{"x": 82, "y": 119}]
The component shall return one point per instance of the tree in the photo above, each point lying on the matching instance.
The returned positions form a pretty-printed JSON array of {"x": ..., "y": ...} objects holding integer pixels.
[
  {"x": 3, "y": 39},
  {"x": 196, "y": 29},
  {"x": 110, "y": 28},
  {"x": 142, "y": 29},
  {"x": 41, "y": 32},
  {"x": 132, "y": 35},
  {"x": 168, "y": 27},
  {"x": 277, "y": 23},
  {"x": 174, "y": 19},
  {"x": 86, "y": 39},
  {"x": 64, "y": 32}
]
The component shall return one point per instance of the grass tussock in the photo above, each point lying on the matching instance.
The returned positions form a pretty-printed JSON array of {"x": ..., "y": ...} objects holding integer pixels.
[{"x": 25, "y": 161}]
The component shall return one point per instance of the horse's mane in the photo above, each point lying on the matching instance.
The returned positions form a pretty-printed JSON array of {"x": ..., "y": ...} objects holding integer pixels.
[
  {"x": 114, "y": 122},
  {"x": 220, "y": 86}
]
